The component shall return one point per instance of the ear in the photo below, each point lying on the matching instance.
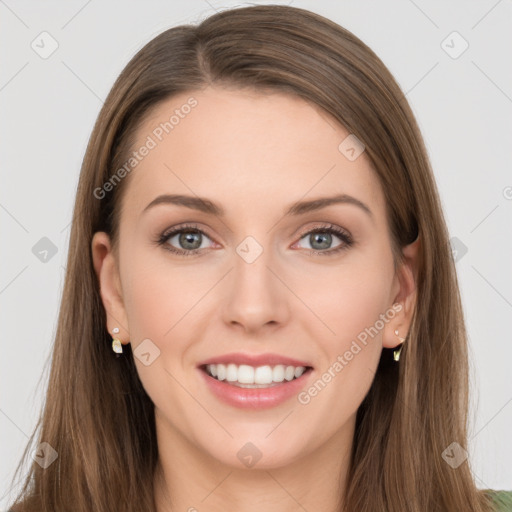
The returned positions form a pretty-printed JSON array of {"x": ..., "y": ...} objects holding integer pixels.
[
  {"x": 110, "y": 286},
  {"x": 406, "y": 296}
]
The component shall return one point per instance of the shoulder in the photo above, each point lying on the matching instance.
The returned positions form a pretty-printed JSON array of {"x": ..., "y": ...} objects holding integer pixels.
[{"x": 502, "y": 500}]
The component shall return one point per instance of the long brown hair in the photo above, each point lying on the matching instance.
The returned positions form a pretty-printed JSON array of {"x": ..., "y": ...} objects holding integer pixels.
[{"x": 97, "y": 415}]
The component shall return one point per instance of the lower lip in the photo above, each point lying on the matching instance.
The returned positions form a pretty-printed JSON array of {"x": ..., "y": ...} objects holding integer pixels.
[{"x": 255, "y": 398}]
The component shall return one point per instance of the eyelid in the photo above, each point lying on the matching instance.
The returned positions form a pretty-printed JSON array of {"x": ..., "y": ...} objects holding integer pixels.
[
  {"x": 187, "y": 226},
  {"x": 324, "y": 226},
  {"x": 340, "y": 232}
]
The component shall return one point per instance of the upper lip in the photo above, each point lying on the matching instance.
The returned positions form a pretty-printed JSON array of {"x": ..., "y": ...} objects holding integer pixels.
[{"x": 255, "y": 360}]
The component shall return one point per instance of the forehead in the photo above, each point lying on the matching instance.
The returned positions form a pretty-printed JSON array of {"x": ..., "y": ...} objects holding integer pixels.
[{"x": 238, "y": 147}]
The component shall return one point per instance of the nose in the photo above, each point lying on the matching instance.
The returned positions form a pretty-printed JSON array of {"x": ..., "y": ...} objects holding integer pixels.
[{"x": 256, "y": 297}]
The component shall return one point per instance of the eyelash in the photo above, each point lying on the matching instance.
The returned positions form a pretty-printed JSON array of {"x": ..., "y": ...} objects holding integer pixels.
[{"x": 330, "y": 228}]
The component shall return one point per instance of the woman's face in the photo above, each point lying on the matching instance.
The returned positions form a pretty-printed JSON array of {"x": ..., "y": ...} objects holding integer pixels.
[{"x": 254, "y": 288}]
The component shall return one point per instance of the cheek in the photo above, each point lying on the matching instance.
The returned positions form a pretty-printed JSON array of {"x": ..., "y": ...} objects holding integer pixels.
[
  {"x": 352, "y": 306},
  {"x": 149, "y": 307},
  {"x": 157, "y": 299},
  {"x": 157, "y": 294},
  {"x": 164, "y": 303},
  {"x": 349, "y": 299}
]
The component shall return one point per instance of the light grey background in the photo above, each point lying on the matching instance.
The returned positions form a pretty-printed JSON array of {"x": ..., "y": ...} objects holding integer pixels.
[{"x": 48, "y": 107}]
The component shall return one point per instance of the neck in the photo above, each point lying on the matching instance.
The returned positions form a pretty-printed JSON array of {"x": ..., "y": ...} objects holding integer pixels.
[{"x": 189, "y": 479}]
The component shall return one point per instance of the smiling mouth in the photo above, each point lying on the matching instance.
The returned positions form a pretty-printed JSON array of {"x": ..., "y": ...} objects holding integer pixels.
[{"x": 246, "y": 376}]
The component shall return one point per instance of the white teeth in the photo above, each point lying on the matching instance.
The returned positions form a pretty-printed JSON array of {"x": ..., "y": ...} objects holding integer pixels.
[
  {"x": 220, "y": 369},
  {"x": 231, "y": 373},
  {"x": 289, "y": 373},
  {"x": 278, "y": 373},
  {"x": 245, "y": 374},
  {"x": 261, "y": 375}
]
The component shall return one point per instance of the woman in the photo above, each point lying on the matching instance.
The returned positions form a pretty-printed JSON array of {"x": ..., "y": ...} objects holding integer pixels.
[{"x": 205, "y": 358}]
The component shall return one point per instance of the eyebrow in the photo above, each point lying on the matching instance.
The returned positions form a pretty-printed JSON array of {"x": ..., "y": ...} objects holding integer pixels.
[{"x": 297, "y": 208}]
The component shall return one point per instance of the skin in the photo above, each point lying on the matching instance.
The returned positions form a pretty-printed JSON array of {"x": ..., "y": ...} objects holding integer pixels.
[{"x": 254, "y": 154}]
